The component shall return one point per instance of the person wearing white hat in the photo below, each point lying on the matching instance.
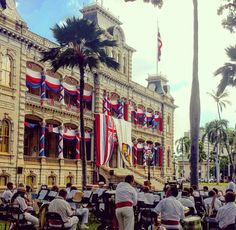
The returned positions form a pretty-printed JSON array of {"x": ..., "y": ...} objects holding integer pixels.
[{"x": 18, "y": 199}]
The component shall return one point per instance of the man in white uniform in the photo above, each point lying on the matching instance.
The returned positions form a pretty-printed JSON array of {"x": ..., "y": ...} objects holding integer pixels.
[
  {"x": 231, "y": 185},
  {"x": 226, "y": 215},
  {"x": 186, "y": 201},
  {"x": 7, "y": 194},
  {"x": 126, "y": 198},
  {"x": 60, "y": 206},
  {"x": 171, "y": 210}
]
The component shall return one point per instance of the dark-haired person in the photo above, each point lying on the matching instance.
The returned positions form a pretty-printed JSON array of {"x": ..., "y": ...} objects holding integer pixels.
[
  {"x": 226, "y": 215},
  {"x": 60, "y": 206},
  {"x": 126, "y": 198},
  {"x": 19, "y": 199},
  {"x": 212, "y": 201},
  {"x": 186, "y": 201},
  {"x": 68, "y": 187},
  {"x": 7, "y": 194},
  {"x": 171, "y": 210}
]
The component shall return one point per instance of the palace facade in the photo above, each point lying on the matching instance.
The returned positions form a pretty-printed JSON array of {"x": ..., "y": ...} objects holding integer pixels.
[{"x": 39, "y": 116}]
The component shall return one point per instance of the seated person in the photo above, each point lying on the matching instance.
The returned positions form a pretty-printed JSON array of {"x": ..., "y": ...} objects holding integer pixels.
[
  {"x": 68, "y": 187},
  {"x": 226, "y": 214},
  {"x": 189, "y": 191},
  {"x": 100, "y": 190},
  {"x": 171, "y": 210},
  {"x": 19, "y": 199},
  {"x": 212, "y": 202},
  {"x": 7, "y": 194},
  {"x": 52, "y": 193},
  {"x": 60, "y": 206},
  {"x": 196, "y": 192},
  {"x": 205, "y": 191},
  {"x": 78, "y": 209},
  {"x": 186, "y": 202}
]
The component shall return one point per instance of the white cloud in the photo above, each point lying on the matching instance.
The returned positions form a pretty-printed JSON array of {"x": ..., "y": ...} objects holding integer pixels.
[{"x": 176, "y": 27}]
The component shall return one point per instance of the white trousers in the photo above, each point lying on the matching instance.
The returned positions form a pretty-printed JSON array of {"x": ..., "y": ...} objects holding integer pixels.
[
  {"x": 125, "y": 217},
  {"x": 72, "y": 223},
  {"x": 84, "y": 212},
  {"x": 32, "y": 219}
]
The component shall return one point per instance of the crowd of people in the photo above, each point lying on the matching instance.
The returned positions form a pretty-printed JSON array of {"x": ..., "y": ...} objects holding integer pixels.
[{"x": 168, "y": 209}]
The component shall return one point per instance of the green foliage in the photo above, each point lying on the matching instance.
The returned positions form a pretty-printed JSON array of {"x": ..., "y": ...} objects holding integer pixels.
[
  {"x": 230, "y": 21},
  {"x": 81, "y": 44},
  {"x": 227, "y": 71}
]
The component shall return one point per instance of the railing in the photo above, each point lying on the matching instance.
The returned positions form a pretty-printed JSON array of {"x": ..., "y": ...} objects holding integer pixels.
[
  {"x": 36, "y": 100},
  {"x": 146, "y": 130},
  {"x": 31, "y": 158}
]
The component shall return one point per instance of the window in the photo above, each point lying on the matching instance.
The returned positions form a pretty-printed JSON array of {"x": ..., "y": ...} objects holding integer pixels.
[
  {"x": 6, "y": 71},
  {"x": 4, "y": 179},
  {"x": 70, "y": 179},
  {"x": 4, "y": 136},
  {"x": 31, "y": 180},
  {"x": 51, "y": 180}
]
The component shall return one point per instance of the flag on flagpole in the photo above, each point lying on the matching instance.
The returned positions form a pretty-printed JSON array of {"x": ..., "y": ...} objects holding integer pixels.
[{"x": 159, "y": 42}]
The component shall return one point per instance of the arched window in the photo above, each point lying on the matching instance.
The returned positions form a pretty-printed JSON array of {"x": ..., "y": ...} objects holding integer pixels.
[
  {"x": 70, "y": 179},
  {"x": 31, "y": 180},
  {"x": 4, "y": 179},
  {"x": 51, "y": 180},
  {"x": 4, "y": 136},
  {"x": 6, "y": 71}
]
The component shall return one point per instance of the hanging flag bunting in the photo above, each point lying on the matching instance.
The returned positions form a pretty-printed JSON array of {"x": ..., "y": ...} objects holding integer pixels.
[
  {"x": 70, "y": 89},
  {"x": 78, "y": 146},
  {"x": 120, "y": 109},
  {"x": 33, "y": 79},
  {"x": 52, "y": 83},
  {"x": 87, "y": 96},
  {"x": 106, "y": 104},
  {"x": 30, "y": 125},
  {"x": 69, "y": 134}
]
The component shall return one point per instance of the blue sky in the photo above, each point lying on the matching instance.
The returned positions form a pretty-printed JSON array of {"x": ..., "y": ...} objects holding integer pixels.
[{"x": 140, "y": 28}]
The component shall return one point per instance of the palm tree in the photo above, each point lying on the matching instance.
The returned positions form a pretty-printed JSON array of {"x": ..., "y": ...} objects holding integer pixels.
[
  {"x": 207, "y": 134},
  {"x": 81, "y": 44},
  {"x": 220, "y": 101},
  {"x": 195, "y": 109},
  {"x": 183, "y": 146},
  {"x": 3, "y": 4},
  {"x": 217, "y": 136},
  {"x": 228, "y": 71}
]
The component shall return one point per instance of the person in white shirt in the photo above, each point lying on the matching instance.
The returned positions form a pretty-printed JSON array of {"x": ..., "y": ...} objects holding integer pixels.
[
  {"x": 68, "y": 187},
  {"x": 231, "y": 185},
  {"x": 126, "y": 198},
  {"x": 77, "y": 208},
  {"x": 226, "y": 215},
  {"x": 7, "y": 194},
  {"x": 171, "y": 210},
  {"x": 212, "y": 202},
  {"x": 60, "y": 206},
  {"x": 19, "y": 200},
  {"x": 186, "y": 201}
]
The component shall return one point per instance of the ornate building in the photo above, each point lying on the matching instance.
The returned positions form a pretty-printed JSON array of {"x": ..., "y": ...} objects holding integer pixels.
[{"x": 39, "y": 117}]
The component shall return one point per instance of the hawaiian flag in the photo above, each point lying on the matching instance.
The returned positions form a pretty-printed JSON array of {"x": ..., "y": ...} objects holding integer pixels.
[
  {"x": 159, "y": 42},
  {"x": 104, "y": 131}
]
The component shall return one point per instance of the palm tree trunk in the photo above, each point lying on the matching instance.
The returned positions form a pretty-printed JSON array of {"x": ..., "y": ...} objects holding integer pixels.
[
  {"x": 208, "y": 156},
  {"x": 82, "y": 150},
  {"x": 195, "y": 102},
  {"x": 182, "y": 158},
  {"x": 217, "y": 163}
]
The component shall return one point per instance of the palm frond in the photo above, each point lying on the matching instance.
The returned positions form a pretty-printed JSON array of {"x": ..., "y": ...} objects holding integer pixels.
[{"x": 231, "y": 52}]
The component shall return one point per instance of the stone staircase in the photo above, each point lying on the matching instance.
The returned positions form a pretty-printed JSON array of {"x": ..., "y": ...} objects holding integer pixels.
[{"x": 139, "y": 176}]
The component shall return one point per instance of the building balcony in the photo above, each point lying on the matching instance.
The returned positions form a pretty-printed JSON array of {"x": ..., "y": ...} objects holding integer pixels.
[
  {"x": 35, "y": 100},
  {"x": 144, "y": 130}
]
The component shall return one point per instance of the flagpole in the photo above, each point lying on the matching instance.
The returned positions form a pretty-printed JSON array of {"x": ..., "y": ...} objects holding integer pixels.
[{"x": 157, "y": 48}]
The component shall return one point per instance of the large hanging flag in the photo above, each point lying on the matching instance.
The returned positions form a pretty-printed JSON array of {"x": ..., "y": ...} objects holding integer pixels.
[
  {"x": 105, "y": 130},
  {"x": 159, "y": 45}
]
